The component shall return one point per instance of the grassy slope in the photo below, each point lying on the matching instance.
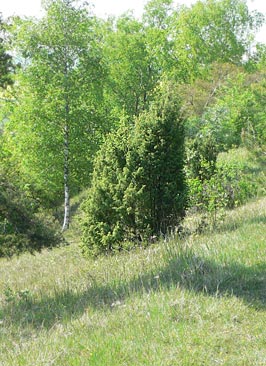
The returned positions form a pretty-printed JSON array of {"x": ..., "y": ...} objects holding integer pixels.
[{"x": 200, "y": 302}]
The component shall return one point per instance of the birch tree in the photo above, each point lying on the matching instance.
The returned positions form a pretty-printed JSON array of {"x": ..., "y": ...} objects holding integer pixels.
[{"x": 56, "y": 124}]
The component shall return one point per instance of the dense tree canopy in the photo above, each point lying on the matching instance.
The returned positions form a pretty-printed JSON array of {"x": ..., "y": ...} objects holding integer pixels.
[
  {"x": 85, "y": 85},
  {"x": 6, "y": 64},
  {"x": 211, "y": 31}
]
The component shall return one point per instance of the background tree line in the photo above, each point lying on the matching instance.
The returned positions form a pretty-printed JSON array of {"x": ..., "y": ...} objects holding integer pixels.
[{"x": 137, "y": 111}]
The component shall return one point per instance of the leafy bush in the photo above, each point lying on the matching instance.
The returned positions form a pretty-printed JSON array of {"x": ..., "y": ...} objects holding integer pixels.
[
  {"x": 202, "y": 152},
  {"x": 232, "y": 183},
  {"x": 238, "y": 114},
  {"x": 138, "y": 189},
  {"x": 23, "y": 227}
]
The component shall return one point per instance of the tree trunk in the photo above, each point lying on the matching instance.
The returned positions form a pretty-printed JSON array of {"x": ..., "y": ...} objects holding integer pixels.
[
  {"x": 66, "y": 149},
  {"x": 66, "y": 176}
]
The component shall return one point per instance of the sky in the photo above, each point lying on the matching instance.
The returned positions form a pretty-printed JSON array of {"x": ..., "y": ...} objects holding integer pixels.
[{"x": 108, "y": 7}]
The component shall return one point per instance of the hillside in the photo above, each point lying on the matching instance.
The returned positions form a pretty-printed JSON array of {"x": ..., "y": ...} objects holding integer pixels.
[{"x": 200, "y": 301}]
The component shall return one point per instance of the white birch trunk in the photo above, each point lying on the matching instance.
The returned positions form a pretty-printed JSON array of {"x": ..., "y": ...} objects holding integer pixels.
[
  {"x": 66, "y": 177},
  {"x": 66, "y": 148}
]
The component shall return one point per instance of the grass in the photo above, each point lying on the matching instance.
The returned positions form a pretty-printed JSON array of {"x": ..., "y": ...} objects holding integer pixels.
[{"x": 199, "y": 301}]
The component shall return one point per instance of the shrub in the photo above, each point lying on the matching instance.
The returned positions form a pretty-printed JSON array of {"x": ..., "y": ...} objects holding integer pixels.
[
  {"x": 138, "y": 189},
  {"x": 23, "y": 227},
  {"x": 156, "y": 162},
  {"x": 231, "y": 184},
  {"x": 202, "y": 152},
  {"x": 104, "y": 213}
]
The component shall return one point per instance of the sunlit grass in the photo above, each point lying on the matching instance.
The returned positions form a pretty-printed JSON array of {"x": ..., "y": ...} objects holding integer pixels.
[{"x": 195, "y": 301}]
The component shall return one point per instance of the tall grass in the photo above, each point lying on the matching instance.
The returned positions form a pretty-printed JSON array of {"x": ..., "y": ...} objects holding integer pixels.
[{"x": 195, "y": 301}]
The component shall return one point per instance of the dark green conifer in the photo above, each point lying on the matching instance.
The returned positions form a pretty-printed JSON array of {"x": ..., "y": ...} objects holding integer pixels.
[{"x": 138, "y": 190}]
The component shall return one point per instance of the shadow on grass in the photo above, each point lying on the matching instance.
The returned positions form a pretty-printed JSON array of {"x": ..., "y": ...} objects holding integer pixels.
[{"x": 183, "y": 269}]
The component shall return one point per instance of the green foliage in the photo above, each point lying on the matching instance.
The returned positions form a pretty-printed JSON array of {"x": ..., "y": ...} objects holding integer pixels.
[
  {"x": 58, "y": 88},
  {"x": 23, "y": 227},
  {"x": 232, "y": 183},
  {"x": 254, "y": 132},
  {"x": 212, "y": 31},
  {"x": 242, "y": 115},
  {"x": 138, "y": 190},
  {"x": 6, "y": 64},
  {"x": 202, "y": 94},
  {"x": 131, "y": 75},
  {"x": 156, "y": 162},
  {"x": 232, "y": 111},
  {"x": 202, "y": 154},
  {"x": 79, "y": 75},
  {"x": 158, "y": 22},
  {"x": 103, "y": 209}
]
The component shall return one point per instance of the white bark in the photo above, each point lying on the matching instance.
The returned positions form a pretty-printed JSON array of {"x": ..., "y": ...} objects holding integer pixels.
[{"x": 66, "y": 176}]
